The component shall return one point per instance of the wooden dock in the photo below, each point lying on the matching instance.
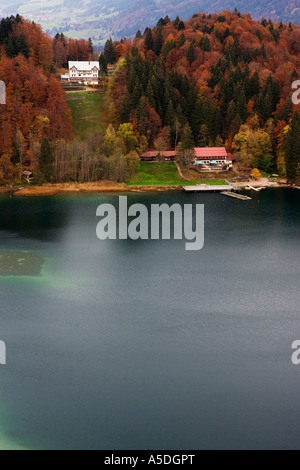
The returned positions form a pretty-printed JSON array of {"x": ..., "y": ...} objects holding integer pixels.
[
  {"x": 205, "y": 188},
  {"x": 236, "y": 196}
]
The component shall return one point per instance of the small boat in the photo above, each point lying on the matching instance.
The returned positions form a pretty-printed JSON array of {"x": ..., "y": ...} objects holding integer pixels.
[{"x": 254, "y": 189}]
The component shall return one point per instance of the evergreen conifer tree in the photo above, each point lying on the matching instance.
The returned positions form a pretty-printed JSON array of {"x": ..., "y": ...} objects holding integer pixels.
[
  {"x": 149, "y": 41},
  {"x": 191, "y": 53},
  {"x": 103, "y": 65},
  {"x": 159, "y": 40},
  {"x": 203, "y": 138},
  {"x": 109, "y": 52},
  {"x": 292, "y": 149},
  {"x": 187, "y": 139},
  {"x": 46, "y": 160}
]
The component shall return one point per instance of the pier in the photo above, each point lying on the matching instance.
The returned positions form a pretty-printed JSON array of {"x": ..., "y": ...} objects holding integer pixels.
[
  {"x": 204, "y": 188},
  {"x": 227, "y": 190},
  {"x": 236, "y": 196}
]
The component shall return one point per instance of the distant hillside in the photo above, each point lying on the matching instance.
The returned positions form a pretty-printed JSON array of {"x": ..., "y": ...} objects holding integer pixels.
[
  {"x": 142, "y": 13},
  {"x": 101, "y": 18}
]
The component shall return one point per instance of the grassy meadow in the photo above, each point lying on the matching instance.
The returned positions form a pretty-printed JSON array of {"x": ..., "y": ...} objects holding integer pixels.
[
  {"x": 163, "y": 174},
  {"x": 87, "y": 112}
]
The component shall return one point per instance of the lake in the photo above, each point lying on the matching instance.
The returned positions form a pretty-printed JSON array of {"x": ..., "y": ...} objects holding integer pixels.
[{"x": 141, "y": 344}]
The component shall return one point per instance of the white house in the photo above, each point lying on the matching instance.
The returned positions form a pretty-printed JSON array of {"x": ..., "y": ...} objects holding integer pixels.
[{"x": 82, "y": 71}]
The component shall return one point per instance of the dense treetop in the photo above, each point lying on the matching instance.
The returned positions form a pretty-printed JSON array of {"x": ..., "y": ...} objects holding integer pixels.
[
  {"x": 36, "y": 106},
  {"x": 36, "y": 103},
  {"x": 213, "y": 72}
]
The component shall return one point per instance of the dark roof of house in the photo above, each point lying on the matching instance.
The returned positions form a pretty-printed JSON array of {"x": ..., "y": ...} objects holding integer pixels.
[{"x": 155, "y": 153}]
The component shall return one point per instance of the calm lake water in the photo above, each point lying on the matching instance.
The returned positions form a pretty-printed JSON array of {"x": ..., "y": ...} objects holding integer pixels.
[{"x": 143, "y": 345}]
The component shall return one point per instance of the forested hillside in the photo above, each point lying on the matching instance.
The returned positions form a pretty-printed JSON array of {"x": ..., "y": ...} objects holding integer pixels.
[
  {"x": 146, "y": 13},
  {"x": 221, "y": 78},
  {"x": 36, "y": 111},
  {"x": 36, "y": 105}
]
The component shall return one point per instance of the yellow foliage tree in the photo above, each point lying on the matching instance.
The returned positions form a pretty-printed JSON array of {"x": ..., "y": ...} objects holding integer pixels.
[
  {"x": 39, "y": 124},
  {"x": 256, "y": 173}
]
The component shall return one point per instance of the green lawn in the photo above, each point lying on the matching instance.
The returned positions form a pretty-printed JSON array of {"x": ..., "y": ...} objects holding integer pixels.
[
  {"x": 163, "y": 174},
  {"x": 87, "y": 113}
]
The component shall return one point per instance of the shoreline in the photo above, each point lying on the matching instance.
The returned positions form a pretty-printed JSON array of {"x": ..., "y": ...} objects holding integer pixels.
[
  {"x": 109, "y": 186},
  {"x": 81, "y": 188}
]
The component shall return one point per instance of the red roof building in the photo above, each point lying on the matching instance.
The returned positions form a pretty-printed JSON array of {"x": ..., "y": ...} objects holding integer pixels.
[
  {"x": 203, "y": 156},
  {"x": 208, "y": 153},
  {"x": 212, "y": 156}
]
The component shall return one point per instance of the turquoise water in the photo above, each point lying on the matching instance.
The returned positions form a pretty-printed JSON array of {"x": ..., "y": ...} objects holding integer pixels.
[{"x": 132, "y": 345}]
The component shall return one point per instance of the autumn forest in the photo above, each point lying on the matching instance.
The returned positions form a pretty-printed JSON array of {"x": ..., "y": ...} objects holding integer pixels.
[{"x": 214, "y": 80}]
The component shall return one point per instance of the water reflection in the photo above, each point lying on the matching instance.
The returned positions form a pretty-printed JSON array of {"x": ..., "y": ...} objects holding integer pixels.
[{"x": 36, "y": 218}]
